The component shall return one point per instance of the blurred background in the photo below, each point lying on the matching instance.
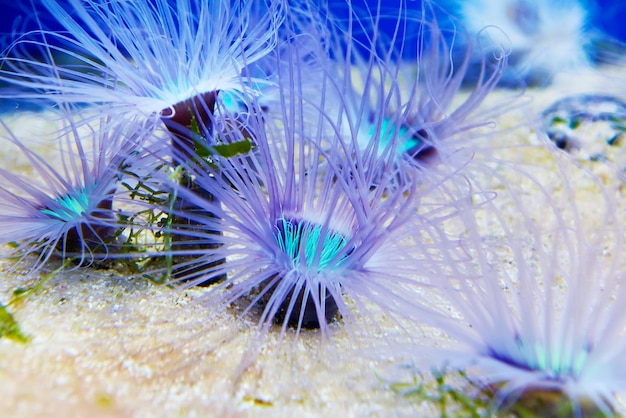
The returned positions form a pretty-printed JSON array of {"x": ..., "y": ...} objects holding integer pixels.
[
  {"x": 606, "y": 15},
  {"x": 598, "y": 34},
  {"x": 17, "y": 16}
]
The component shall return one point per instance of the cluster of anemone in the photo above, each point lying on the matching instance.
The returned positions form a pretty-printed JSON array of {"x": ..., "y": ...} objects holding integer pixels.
[{"x": 263, "y": 151}]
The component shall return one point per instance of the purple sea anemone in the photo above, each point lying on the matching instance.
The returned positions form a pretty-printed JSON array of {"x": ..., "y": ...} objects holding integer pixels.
[
  {"x": 68, "y": 208},
  {"x": 295, "y": 237},
  {"x": 142, "y": 58},
  {"x": 158, "y": 61},
  {"x": 536, "y": 306},
  {"x": 419, "y": 98}
]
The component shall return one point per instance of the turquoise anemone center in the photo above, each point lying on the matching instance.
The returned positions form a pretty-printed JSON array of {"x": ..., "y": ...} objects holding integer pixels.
[
  {"x": 387, "y": 132},
  {"x": 69, "y": 207},
  {"x": 559, "y": 363},
  {"x": 230, "y": 101},
  {"x": 309, "y": 245}
]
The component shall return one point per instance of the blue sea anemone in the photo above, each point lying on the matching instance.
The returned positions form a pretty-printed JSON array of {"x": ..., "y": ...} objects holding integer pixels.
[
  {"x": 436, "y": 108},
  {"x": 67, "y": 207},
  {"x": 295, "y": 237}
]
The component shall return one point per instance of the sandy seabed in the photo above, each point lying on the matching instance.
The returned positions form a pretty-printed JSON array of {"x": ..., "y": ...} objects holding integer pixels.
[{"x": 105, "y": 346}]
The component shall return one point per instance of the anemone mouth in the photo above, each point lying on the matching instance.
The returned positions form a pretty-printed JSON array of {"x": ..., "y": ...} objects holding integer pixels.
[
  {"x": 79, "y": 204},
  {"x": 386, "y": 130},
  {"x": 69, "y": 207},
  {"x": 554, "y": 365},
  {"x": 312, "y": 250},
  {"x": 415, "y": 143},
  {"x": 88, "y": 225},
  {"x": 545, "y": 394},
  {"x": 309, "y": 246}
]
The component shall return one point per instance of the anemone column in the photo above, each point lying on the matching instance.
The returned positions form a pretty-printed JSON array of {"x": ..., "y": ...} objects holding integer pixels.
[{"x": 191, "y": 124}]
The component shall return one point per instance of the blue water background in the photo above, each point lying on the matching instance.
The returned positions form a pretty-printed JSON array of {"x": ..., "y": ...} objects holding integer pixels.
[
  {"x": 607, "y": 15},
  {"x": 17, "y": 17}
]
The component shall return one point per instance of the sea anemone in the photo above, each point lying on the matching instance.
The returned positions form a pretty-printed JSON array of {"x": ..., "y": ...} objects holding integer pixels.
[
  {"x": 436, "y": 106},
  {"x": 386, "y": 92},
  {"x": 142, "y": 58},
  {"x": 67, "y": 207},
  {"x": 294, "y": 236},
  {"x": 161, "y": 62},
  {"x": 536, "y": 306}
]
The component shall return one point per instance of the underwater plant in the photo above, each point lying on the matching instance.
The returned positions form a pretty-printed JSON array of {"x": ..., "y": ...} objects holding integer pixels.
[
  {"x": 67, "y": 206},
  {"x": 536, "y": 307}
]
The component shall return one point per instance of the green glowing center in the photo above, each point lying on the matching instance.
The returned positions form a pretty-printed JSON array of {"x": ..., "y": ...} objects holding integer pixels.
[
  {"x": 230, "y": 101},
  {"x": 69, "y": 207},
  {"x": 310, "y": 245},
  {"x": 558, "y": 362},
  {"x": 387, "y": 130}
]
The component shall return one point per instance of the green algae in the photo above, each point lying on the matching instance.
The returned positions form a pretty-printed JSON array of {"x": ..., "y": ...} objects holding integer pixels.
[
  {"x": 9, "y": 327},
  {"x": 458, "y": 400}
]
